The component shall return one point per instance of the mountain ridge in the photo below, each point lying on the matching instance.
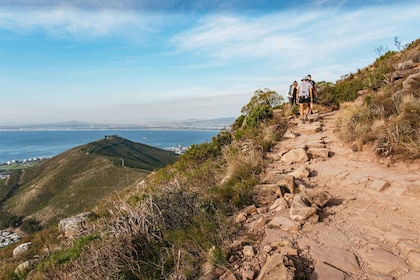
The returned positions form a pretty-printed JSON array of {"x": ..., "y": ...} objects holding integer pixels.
[{"x": 79, "y": 178}]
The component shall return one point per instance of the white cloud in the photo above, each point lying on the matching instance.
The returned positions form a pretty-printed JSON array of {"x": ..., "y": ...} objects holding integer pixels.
[{"x": 66, "y": 21}]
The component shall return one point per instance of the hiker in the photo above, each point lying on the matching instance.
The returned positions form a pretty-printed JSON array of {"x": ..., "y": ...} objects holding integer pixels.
[
  {"x": 291, "y": 95},
  {"x": 304, "y": 94},
  {"x": 314, "y": 92}
]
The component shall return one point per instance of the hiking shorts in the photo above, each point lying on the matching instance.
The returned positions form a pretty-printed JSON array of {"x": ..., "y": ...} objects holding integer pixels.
[{"x": 304, "y": 99}]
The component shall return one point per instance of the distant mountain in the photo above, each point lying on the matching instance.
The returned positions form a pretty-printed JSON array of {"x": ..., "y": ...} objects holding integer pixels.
[
  {"x": 78, "y": 179},
  {"x": 192, "y": 124}
]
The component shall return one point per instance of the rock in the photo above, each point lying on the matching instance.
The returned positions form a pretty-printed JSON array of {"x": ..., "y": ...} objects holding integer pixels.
[
  {"x": 249, "y": 210},
  {"x": 406, "y": 246},
  {"x": 236, "y": 245},
  {"x": 240, "y": 218},
  {"x": 409, "y": 64},
  {"x": 412, "y": 275},
  {"x": 284, "y": 224},
  {"x": 316, "y": 196},
  {"x": 295, "y": 155},
  {"x": 281, "y": 181},
  {"x": 74, "y": 226},
  {"x": 22, "y": 267},
  {"x": 384, "y": 262},
  {"x": 300, "y": 210},
  {"x": 413, "y": 260},
  {"x": 22, "y": 248},
  {"x": 340, "y": 259},
  {"x": 412, "y": 84},
  {"x": 266, "y": 192},
  {"x": 319, "y": 152},
  {"x": 396, "y": 236},
  {"x": 331, "y": 237},
  {"x": 257, "y": 224},
  {"x": 301, "y": 173},
  {"x": 288, "y": 251},
  {"x": 267, "y": 248},
  {"x": 227, "y": 276},
  {"x": 378, "y": 185},
  {"x": 248, "y": 274},
  {"x": 324, "y": 271},
  {"x": 274, "y": 269},
  {"x": 248, "y": 251},
  {"x": 280, "y": 204},
  {"x": 7, "y": 238},
  {"x": 310, "y": 128},
  {"x": 289, "y": 135}
]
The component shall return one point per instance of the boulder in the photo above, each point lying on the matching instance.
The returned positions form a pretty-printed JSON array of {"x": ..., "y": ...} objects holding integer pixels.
[
  {"x": 74, "y": 226},
  {"x": 300, "y": 210},
  {"x": 274, "y": 269},
  {"x": 319, "y": 152},
  {"x": 284, "y": 224},
  {"x": 280, "y": 204},
  {"x": 22, "y": 267},
  {"x": 316, "y": 196},
  {"x": 295, "y": 155},
  {"x": 412, "y": 84},
  {"x": 22, "y": 248},
  {"x": 301, "y": 173}
]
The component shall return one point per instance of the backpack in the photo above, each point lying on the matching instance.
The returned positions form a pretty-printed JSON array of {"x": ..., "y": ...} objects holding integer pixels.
[{"x": 290, "y": 92}]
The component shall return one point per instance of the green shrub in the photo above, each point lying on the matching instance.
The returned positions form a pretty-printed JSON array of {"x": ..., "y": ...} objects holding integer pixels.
[{"x": 259, "y": 114}]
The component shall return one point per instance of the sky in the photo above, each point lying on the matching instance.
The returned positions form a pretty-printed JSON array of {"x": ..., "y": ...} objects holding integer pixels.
[{"x": 134, "y": 61}]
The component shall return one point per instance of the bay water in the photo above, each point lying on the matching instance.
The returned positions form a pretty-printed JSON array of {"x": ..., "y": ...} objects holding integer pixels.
[{"x": 21, "y": 145}]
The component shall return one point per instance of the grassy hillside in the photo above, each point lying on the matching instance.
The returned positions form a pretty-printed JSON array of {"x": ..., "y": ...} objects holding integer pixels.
[{"x": 78, "y": 179}]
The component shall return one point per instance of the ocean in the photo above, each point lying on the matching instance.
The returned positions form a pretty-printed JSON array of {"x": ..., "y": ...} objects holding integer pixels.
[{"x": 21, "y": 145}]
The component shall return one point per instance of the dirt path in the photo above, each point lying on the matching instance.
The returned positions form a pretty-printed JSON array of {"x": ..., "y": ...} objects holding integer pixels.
[
  {"x": 378, "y": 216},
  {"x": 369, "y": 229}
]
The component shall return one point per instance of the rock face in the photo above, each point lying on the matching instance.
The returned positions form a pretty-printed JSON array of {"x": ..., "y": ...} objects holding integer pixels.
[{"x": 327, "y": 214}]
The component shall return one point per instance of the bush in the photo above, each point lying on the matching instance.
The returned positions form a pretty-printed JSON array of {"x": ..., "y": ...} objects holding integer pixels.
[
  {"x": 259, "y": 114},
  {"x": 31, "y": 226}
]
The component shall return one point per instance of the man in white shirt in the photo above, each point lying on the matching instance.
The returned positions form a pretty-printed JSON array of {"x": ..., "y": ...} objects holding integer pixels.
[{"x": 305, "y": 96}]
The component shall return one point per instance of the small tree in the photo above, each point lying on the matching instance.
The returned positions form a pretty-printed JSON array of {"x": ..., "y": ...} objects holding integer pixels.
[
  {"x": 397, "y": 43},
  {"x": 266, "y": 97},
  {"x": 381, "y": 49}
]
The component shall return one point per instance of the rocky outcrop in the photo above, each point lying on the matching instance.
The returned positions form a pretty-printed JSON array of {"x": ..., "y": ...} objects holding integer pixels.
[
  {"x": 7, "y": 238},
  {"x": 74, "y": 227}
]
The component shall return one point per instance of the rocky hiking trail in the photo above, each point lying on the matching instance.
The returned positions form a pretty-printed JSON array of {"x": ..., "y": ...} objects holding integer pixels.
[{"x": 328, "y": 213}]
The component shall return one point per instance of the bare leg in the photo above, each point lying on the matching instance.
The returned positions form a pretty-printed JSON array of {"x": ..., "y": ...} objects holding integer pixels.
[{"x": 302, "y": 105}]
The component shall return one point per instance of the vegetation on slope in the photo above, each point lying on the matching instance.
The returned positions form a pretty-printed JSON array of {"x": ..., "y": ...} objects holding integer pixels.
[
  {"x": 178, "y": 219},
  {"x": 77, "y": 180},
  {"x": 176, "y": 223},
  {"x": 386, "y": 113}
]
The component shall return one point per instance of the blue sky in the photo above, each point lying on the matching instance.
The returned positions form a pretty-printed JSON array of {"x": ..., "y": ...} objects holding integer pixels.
[{"x": 133, "y": 61}]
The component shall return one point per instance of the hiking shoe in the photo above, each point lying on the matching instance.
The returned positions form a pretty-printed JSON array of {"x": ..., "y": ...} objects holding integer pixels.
[
  {"x": 303, "y": 121},
  {"x": 311, "y": 112},
  {"x": 306, "y": 118}
]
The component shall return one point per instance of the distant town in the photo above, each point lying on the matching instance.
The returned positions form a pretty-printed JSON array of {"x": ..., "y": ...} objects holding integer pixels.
[{"x": 8, "y": 166}]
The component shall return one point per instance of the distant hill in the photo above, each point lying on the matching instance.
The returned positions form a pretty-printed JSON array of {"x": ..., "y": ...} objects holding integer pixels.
[
  {"x": 190, "y": 124},
  {"x": 78, "y": 179}
]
